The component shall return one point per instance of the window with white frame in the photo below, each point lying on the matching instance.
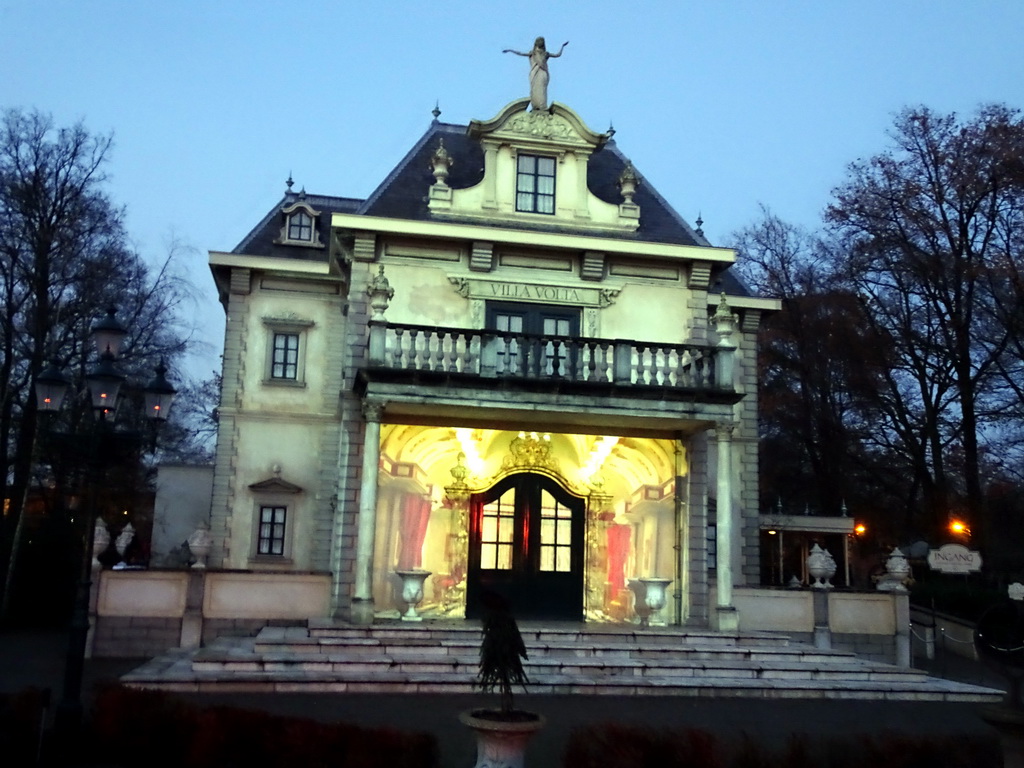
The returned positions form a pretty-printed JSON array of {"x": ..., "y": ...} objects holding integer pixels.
[
  {"x": 272, "y": 528},
  {"x": 286, "y": 350},
  {"x": 284, "y": 356},
  {"x": 300, "y": 226},
  {"x": 535, "y": 184}
]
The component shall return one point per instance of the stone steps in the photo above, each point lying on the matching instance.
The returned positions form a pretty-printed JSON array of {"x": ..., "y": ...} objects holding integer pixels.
[{"x": 328, "y": 658}]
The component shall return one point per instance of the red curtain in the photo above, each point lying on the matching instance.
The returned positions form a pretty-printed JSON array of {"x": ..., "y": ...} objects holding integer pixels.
[
  {"x": 618, "y": 551},
  {"x": 415, "y": 516}
]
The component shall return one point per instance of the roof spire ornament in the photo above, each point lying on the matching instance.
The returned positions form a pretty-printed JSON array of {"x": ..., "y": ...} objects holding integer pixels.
[
  {"x": 700, "y": 224},
  {"x": 436, "y": 111},
  {"x": 538, "y": 57}
]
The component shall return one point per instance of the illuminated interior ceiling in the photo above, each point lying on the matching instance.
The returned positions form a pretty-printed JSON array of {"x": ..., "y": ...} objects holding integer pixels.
[{"x": 628, "y": 464}]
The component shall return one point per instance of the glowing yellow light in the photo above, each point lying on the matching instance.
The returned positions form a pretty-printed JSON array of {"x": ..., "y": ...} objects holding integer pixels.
[
  {"x": 959, "y": 527},
  {"x": 860, "y": 529},
  {"x": 771, "y": 533},
  {"x": 598, "y": 454}
]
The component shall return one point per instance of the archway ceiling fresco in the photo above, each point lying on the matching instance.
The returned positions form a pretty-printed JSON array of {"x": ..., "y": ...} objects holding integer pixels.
[{"x": 633, "y": 462}]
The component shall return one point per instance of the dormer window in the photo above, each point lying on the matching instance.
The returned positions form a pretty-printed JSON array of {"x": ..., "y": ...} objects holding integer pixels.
[
  {"x": 300, "y": 226},
  {"x": 535, "y": 184}
]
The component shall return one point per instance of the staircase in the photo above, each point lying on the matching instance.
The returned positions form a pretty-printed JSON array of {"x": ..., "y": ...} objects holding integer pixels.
[{"x": 441, "y": 657}]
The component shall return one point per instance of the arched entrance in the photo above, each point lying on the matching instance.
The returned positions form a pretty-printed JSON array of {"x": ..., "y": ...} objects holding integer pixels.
[{"x": 526, "y": 542}]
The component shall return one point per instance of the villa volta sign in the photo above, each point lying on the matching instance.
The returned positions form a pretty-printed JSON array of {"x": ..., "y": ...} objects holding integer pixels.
[{"x": 954, "y": 558}]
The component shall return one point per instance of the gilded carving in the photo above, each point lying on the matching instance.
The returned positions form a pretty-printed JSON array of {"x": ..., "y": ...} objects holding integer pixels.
[{"x": 530, "y": 450}]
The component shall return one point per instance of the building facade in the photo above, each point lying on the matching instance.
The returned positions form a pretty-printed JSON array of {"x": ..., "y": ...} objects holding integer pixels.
[{"x": 513, "y": 366}]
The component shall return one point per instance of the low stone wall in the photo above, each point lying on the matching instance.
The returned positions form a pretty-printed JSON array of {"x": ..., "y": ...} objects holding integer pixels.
[
  {"x": 875, "y": 625},
  {"x": 144, "y": 613}
]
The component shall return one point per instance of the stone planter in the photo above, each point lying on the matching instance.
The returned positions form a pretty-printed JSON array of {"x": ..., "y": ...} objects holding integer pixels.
[
  {"x": 650, "y": 597},
  {"x": 412, "y": 591},
  {"x": 821, "y": 566},
  {"x": 199, "y": 543},
  {"x": 897, "y": 572},
  {"x": 501, "y": 738},
  {"x": 100, "y": 542}
]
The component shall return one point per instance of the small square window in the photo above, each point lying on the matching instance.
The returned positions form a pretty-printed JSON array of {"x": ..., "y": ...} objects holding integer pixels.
[
  {"x": 284, "y": 363},
  {"x": 535, "y": 184},
  {"x": 300, "y": 226},
  {"x": 270, "y": 540}
]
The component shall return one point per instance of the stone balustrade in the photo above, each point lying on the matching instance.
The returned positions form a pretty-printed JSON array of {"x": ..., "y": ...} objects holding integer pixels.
[{"x": 491, "y": 354}]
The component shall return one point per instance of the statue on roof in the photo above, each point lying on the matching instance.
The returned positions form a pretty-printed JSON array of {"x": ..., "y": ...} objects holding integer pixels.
[{"x": 539, "y": 72}]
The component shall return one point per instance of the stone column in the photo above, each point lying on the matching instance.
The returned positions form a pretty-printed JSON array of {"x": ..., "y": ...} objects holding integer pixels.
[
  {"x": 681, "y": 525},
  {"x": 362, "y": 599},
  {"x": 728, "y": 618}
]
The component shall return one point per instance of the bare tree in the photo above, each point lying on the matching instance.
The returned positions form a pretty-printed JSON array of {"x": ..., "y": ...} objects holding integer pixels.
[
  {"x": 925, "y": 227},
  {"x": 64, "y": 258}
]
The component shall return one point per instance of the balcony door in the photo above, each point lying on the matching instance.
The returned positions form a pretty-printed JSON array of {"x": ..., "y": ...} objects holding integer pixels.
[
  {"x": 549, "y": 357},
  {"x": 526, "y": 543}
]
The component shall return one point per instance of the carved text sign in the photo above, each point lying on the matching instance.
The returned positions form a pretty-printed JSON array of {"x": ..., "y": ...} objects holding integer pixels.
[
  {"x": 954, "y": 558},
  {"x": 541, "y": 293}
]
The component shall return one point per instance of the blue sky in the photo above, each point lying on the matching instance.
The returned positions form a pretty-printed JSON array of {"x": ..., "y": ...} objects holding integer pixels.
[{"x": 722, "y": 105}]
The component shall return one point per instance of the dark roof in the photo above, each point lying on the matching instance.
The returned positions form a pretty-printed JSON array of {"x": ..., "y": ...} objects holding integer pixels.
[
  {"x": 403, "y": 195},
  {"x": 260, "y": 241}
]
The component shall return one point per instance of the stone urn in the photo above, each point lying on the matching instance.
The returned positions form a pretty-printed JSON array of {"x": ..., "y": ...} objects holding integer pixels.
[
  {"x": 412, "y": 591},
  {"x": 199, "y": 543},
  {"x": 821, "y": 566},
  {"x": 501, "y": 737},
  {"x": 124, "y": 538},
  {"x": 100, "y": 542},
  {"x": 650, "y": 594},
  {"x": 897, "y": 572}
]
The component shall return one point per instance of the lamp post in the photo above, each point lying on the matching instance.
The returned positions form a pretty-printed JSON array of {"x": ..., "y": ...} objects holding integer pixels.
[{"x": 103, "y": 383}]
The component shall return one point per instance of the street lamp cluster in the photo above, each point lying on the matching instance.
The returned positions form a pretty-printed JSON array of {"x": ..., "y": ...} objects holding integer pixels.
[
  {"x": 104, "y": 380},
  {"x": 104, "y": 384}
]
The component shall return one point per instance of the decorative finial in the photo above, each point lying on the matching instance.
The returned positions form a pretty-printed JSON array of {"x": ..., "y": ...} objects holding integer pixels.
[
  {"x": 725, "y": 323},
  {"x": 289, "y": 183},
  {"x": 436, "y": 111},
  {"x": 611, "y": 129},
  {"x": 380, "y": 293},
  {"x": 700, "y": 224},
  {"x": 440, "y": 162},
  {"x": 628, "y": 181}
]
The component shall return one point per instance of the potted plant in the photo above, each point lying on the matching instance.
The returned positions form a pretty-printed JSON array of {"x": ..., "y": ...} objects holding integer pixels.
[{"x": 503, "y": 733}]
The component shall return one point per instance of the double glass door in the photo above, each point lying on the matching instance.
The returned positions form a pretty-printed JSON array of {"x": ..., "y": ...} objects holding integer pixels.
[
  {"x": 547, "y": 354},
  {"x": 526, "y": 542}
]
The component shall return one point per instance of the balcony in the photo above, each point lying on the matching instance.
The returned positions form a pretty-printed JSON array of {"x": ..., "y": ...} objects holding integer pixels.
[{"x": 428, "y": 352}]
